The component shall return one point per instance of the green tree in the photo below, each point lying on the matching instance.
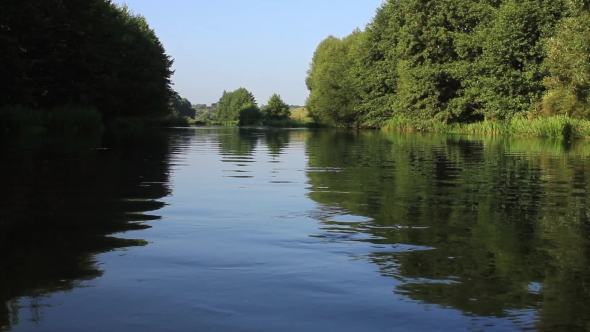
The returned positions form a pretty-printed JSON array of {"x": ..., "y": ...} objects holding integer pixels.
[
  {"x": 83, "y": 53},
  {"x": 508, "y": 76},
  {"x": 332, "y": 93},
  {"x": 250, "y": 114},
  {"x": 183, "y": 107},
  {"x": 230, "y": 104},
  {"x": 223, "y": 106},
  {"x": 276, "y": 109},
  {"x": 453, "y": 61},
  {"x": 374, "y": 72},
  {"x": 568, "y": 62}
]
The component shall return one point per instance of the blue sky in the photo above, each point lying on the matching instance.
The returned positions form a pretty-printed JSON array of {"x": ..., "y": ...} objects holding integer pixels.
[{"x": 262, "y": 45}]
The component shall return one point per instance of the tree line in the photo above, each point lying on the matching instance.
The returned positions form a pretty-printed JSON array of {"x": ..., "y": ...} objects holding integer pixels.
[
  {"x": 241, "y": 106},
  {"x": 456, "y": 61},
  {"x": 82, "y": 54}
]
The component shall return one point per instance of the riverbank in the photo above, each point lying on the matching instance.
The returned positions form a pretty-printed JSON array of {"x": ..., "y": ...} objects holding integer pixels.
[
  {"x": 59, "y": 121},
  {"x": 271, "y": 123},
  {"x": 142, "y": 123},
  {"x": 554, "y": 127},
  {"x": 298, "y": 118},
  {"x": 76, "y": 121}
]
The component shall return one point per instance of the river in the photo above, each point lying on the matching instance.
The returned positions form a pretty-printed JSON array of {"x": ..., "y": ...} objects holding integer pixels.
[{"x": 251, "y": 229}]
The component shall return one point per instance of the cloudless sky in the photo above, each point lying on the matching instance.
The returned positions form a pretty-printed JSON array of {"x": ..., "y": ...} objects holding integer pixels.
[{"x": 264, "y": 46}]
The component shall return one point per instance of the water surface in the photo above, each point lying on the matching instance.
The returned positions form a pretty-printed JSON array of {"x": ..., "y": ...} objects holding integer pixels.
[{"x": 231, "y": 229}]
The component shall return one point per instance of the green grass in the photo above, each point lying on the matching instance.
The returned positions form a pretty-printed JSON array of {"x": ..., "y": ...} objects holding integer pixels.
[
  {"x": 532, "y": 147},
  {"x": 289, "y": 123},
  {"x": 65, "y": 120},
  {"x": 229, "y": 123},
  {"x": 554, "y": 127}
]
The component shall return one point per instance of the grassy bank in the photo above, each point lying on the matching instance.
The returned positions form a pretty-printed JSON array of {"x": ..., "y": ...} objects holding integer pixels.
[
  {"x": 289, "y": 123},
  {"x": 59, "y": 121},
  {"x": 525, "y": 146},
  {"x": 555, "y": 127}
]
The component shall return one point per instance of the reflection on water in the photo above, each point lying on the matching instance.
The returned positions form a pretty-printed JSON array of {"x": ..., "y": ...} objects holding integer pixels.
[
  {"x": 60, "y": 204},
  {"x": 256, "y": 229},
  {"x": 492, "y": 227}
]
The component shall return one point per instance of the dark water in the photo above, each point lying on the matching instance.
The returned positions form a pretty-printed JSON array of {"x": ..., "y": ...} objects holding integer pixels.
[{"x": 269, "y": 230}]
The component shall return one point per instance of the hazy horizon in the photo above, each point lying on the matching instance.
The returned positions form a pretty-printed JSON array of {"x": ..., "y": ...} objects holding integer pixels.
[{"x": 263, "y": 46}]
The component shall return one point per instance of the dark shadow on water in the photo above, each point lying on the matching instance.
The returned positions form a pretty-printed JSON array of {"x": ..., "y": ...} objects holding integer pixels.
[{"x": 63, "y": 202}]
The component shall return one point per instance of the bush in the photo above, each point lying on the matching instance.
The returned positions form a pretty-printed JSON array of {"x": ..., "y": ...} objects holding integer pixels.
[{"x": 249, "y": 115}]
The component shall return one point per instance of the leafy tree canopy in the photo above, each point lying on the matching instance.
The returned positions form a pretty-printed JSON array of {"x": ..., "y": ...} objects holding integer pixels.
[
  {"x": 84, "y": 53},
  {"x": 455, "y": 61},
  {"x": 230, "y": 104},
  {"x": 183, "y": 107},
  {"x": 276, "y": 109},
  {"x": 250, "y": 114}
]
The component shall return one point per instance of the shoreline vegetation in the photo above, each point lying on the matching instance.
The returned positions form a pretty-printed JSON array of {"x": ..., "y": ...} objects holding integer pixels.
[
  {"x": 503, "y": 67},
  {"x": 81, "y": 67},
  {"x": 76, "y": 121},
  {"x": 240, "y": 108},
  {"x": 559, "y": 126}
]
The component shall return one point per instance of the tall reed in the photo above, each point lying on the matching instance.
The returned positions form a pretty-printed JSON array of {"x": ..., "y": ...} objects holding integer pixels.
[{"x": 554, "y": 126}]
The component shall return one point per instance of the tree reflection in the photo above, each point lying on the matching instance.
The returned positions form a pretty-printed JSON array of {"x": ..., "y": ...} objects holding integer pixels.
[
  {"x": 485, "y": 226},
  {"x": 238, "y": 142},
  {"x": 62, "y": 203},
  {"x": 276, "y": 141}
]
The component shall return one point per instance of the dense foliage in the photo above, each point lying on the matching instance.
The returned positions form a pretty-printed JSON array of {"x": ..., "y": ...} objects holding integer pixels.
[
  {"x": 455, "y": 61},
  {"x": 82, "y": 53},
  {"x": 249, "y": 114},
  {"x": 183, "y": 107},
  {"x": 569, "y": 66},
  {"x": 230, "y": 104},
  {"x": 333, "y": 94},
  {"x": 240, "y": 107},
  {"x": 276, "y": 109},
  {"x": 205, "y": 113}
]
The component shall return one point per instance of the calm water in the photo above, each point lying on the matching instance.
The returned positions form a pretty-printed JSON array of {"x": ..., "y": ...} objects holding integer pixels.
[{"x": 270, "y": 230}]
